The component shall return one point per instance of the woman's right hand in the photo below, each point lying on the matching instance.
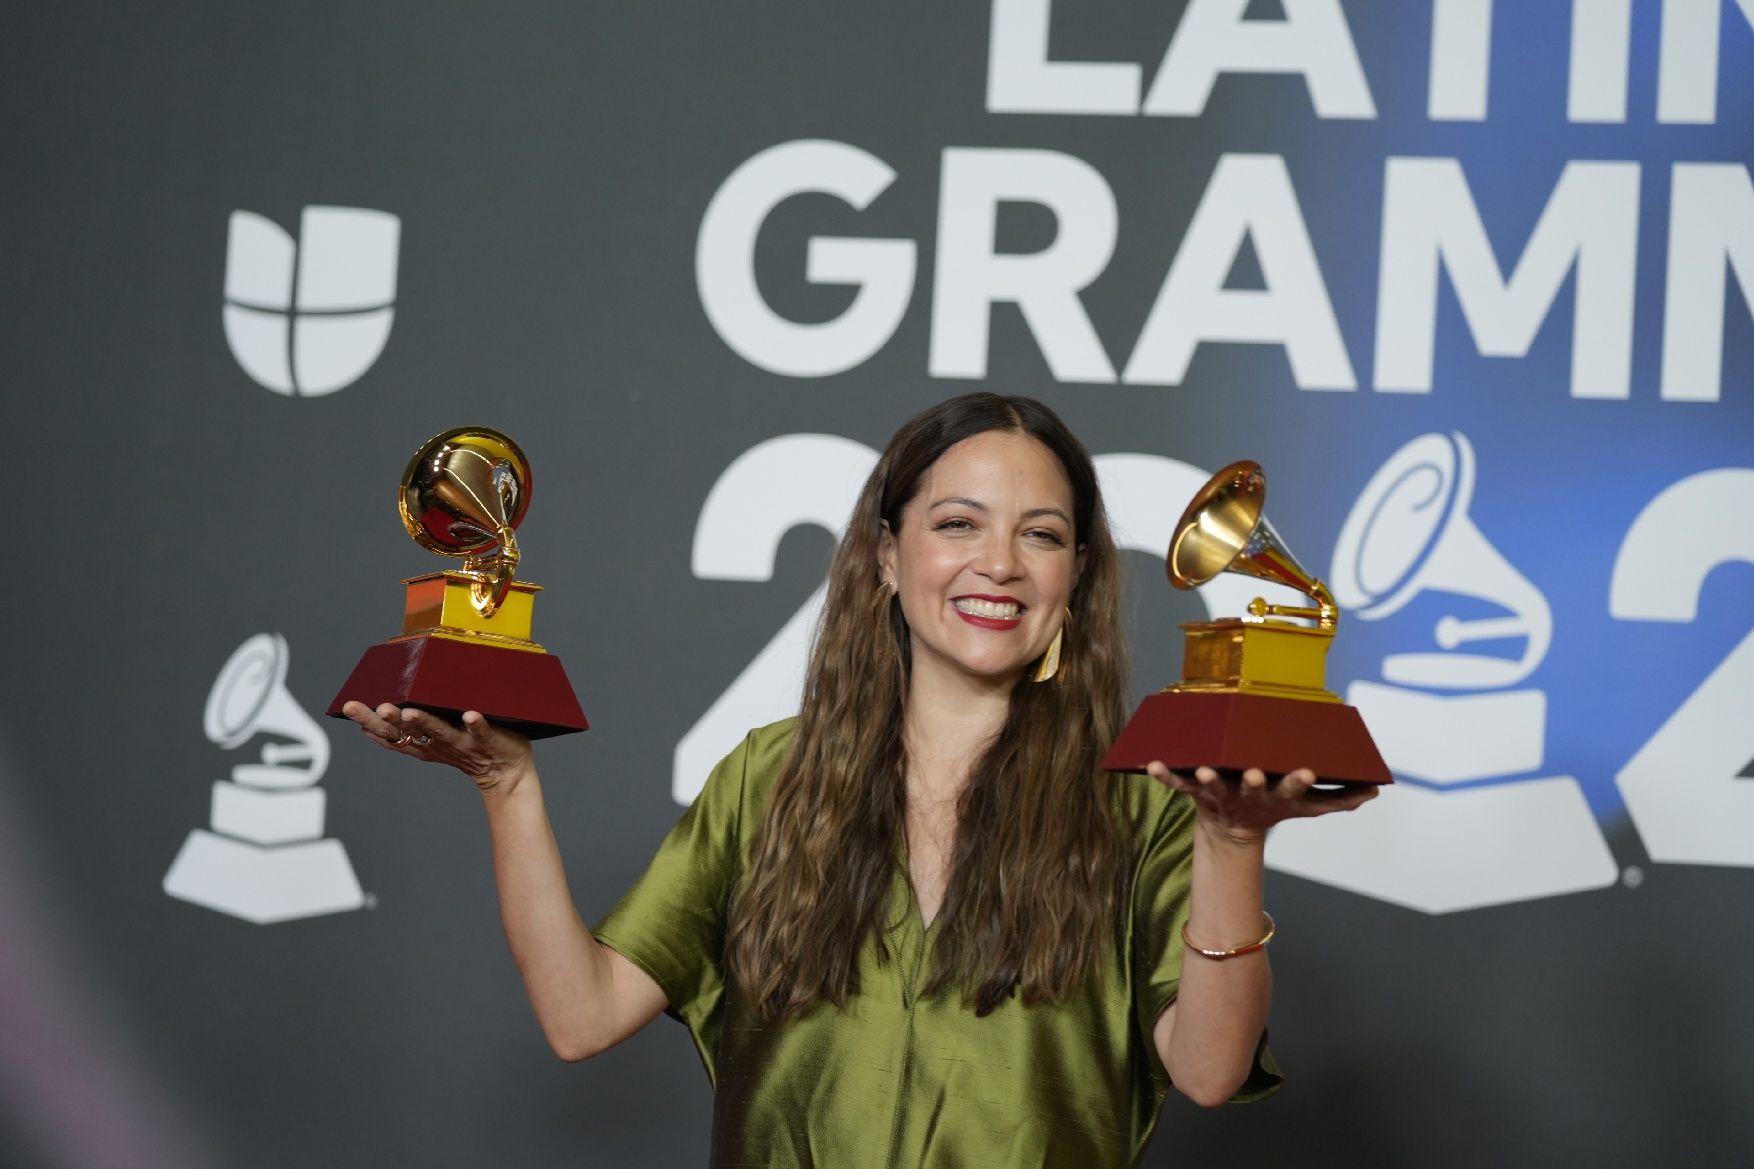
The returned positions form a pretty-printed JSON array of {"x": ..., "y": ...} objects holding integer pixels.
[{"x": 497, "y": 759}]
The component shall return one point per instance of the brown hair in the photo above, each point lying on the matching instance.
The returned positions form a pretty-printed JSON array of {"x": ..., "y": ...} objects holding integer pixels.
[{"x": 1038, "y": 868}]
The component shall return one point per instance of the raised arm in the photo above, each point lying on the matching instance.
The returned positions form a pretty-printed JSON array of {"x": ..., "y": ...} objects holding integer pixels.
[
  {"x": 1207, "y": 1037},
  {"x": 587, "y": 997}
]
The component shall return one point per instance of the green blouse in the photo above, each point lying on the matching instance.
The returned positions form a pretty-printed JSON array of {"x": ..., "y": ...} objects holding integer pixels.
[{"x": 895, "y": 1079}]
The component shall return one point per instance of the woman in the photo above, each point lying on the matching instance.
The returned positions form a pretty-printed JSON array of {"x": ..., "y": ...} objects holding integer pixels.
[{"x": 916, "y": 925}]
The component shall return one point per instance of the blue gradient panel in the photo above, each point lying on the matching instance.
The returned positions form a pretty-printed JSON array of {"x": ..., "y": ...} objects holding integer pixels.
[{"x": 1560, "y": 480}]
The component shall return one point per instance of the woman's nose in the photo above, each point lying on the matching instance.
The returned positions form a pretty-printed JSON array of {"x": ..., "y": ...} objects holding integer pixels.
[{"x": 999, "y": 561}]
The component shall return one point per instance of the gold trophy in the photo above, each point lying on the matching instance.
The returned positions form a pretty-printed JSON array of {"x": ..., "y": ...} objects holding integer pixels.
[
  {"x": 1253, "y": 690},
  {"x": 465, "y": 641}
]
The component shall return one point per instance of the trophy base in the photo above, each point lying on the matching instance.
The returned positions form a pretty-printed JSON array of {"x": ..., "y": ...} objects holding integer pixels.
[
  {"x": 1232, "y": 732},
  {"x": 521, "y": 690},
  {"x": 263, "y": 884}
]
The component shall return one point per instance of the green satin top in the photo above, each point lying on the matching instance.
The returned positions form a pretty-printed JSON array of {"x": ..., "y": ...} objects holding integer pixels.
[{"x": 896, "y": 1079}]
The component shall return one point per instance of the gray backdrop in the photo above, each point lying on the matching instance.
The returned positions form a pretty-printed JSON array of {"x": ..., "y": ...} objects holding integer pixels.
[{"x": 550, "y": 168}]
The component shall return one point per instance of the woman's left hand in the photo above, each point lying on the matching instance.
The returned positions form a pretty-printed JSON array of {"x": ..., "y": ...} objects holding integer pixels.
[{"x": 1243, "y": 811}]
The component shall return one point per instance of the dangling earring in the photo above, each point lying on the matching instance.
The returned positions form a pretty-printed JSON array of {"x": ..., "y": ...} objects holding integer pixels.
[
  {"x": 880, "y": 615},
  {"x": 880, "y": 602},
  {"x": 1050, "y": 661}
]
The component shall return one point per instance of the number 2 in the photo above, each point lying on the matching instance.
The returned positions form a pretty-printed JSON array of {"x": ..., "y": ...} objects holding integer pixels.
[{"x": 1681, "y": 787}]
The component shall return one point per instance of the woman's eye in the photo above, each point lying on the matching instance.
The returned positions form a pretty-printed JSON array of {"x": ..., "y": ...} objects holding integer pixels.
[
  {"x": 1048, "y": 537},
  {"x": 952, "y": 525}
]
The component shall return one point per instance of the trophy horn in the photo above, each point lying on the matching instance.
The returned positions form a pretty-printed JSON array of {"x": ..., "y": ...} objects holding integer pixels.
[
  {"x": 1224, "y": 529},
  {"x": 464, "y": 493}
]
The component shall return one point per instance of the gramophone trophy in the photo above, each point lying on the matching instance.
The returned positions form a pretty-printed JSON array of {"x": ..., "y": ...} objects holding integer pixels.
[
  {"x": 1252, "y": 692},
  {"x": 465, "y": 641}
]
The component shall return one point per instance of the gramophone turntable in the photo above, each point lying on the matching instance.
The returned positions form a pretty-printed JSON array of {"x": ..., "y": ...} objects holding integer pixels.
[
  {"x": 1253, "y": 692},
  {"x": 465, "y": 642}
]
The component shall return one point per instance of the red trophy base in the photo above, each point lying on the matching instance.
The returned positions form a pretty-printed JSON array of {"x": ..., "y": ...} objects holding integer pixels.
[
  {"x": 516, "y": 688},
  {"x": 1233, "y": 732}
]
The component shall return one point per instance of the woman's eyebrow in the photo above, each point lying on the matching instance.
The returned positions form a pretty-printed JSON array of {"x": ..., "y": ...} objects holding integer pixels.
[{"x": 977, "y": 505}]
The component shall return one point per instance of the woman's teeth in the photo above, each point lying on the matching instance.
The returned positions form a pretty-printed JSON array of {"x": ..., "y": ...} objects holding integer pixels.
[{"x": 1001, "y": 610}]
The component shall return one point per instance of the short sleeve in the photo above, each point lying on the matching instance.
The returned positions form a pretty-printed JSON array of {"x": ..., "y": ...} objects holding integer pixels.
[
  {"x": 1163, "y": 877},
  {"x": 671, "y": 923}
]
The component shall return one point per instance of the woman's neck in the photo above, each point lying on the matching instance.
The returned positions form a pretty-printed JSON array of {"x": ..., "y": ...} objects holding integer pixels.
[{"x": 949, "y": 723}]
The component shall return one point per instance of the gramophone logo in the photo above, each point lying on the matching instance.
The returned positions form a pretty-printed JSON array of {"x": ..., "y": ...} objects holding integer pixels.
[
  {"x": 308, "y": 317},
  {"x": 265, "y": 859},
  {"x": 1473, "y": 821}
]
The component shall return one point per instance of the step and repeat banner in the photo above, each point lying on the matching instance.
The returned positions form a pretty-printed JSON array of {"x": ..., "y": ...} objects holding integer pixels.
[{"x": 1472, "y": 282}]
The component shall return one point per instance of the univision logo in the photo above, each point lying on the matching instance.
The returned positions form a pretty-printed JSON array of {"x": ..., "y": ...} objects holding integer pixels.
[{"x": 309, "y": 316}]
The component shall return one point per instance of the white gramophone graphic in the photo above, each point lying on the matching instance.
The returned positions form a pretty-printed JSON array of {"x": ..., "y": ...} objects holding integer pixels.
[
  {"x": 265, "y": 859},
  {"x": 1497, "y": 834}
]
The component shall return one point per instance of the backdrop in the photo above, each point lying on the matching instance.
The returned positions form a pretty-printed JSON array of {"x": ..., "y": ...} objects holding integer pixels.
[{"x": 1469, "y": 280}]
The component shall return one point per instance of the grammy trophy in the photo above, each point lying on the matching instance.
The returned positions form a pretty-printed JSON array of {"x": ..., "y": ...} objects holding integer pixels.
[
  {"x": 465, "y": 641},
  {"x": 1252, "y": 692}
]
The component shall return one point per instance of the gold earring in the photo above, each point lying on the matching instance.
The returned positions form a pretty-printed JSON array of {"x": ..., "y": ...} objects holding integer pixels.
[
  {"x": 1050, "y": 661},
  {"x": 882, "y": 614}
]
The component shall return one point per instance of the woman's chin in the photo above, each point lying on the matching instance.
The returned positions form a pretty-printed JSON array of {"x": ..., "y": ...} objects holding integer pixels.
[{"x": 990, "y": 675}]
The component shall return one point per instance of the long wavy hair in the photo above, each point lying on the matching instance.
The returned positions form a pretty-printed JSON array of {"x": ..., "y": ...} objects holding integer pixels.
[{"x": 1039, "y": 865}]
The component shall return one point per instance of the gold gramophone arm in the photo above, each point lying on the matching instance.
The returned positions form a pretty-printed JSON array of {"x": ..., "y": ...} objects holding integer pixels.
[
  {"x": 493, "y": 574},
  {"x": 1325, "y": 614}
]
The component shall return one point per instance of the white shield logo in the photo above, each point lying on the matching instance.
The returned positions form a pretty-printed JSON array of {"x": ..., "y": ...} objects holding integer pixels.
[{"x": 309, "y": 316}]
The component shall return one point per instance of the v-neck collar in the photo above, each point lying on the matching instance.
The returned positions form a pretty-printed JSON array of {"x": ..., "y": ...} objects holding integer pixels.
[
  {"x": 905, "y": 908},
  {"x": 911, "y": 939},
  {"x": 904, "y": 903}
]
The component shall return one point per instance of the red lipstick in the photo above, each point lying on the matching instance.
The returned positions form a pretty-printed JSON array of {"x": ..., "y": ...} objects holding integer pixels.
[{"x": 998, "y": 624}]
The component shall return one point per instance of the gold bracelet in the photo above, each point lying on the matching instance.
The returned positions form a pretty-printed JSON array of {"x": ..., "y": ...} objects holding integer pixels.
[{"x": 1259, "y": 943}]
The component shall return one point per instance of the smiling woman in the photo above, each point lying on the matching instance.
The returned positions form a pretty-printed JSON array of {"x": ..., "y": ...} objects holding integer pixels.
[
  {"x": 921, "y": 733},
  {"x": 916, "y": 925},
  {"x": 983, "y": 560}
]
